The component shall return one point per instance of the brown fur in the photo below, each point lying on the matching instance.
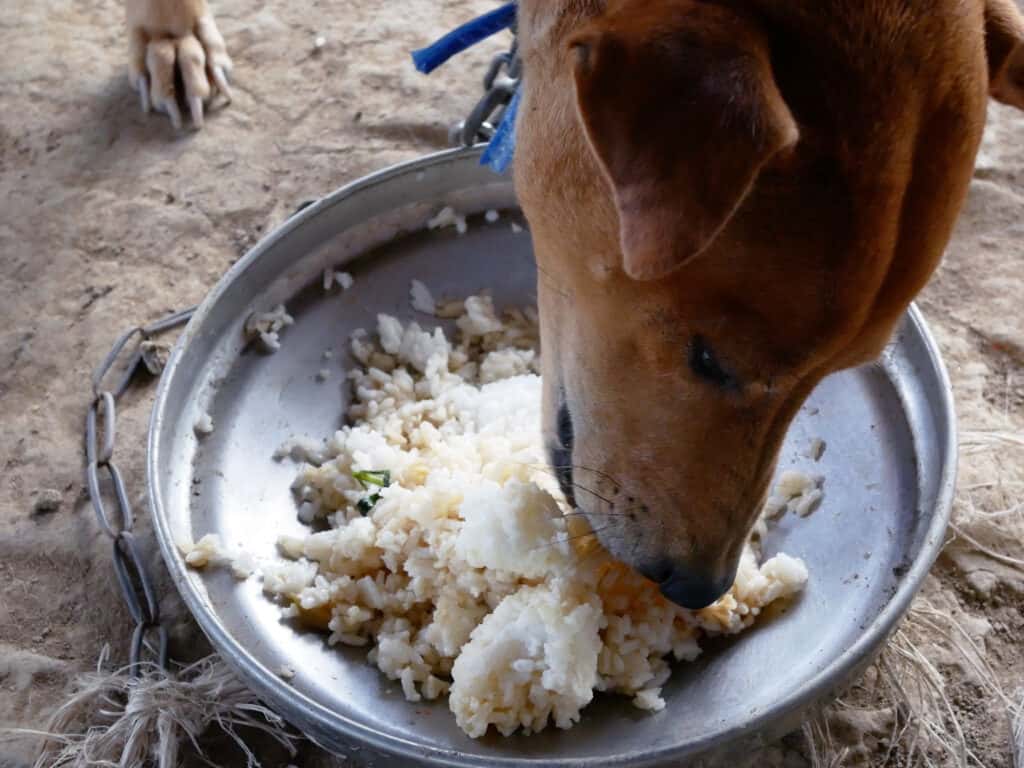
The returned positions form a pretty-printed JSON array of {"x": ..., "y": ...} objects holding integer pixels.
[{"x": 778, "y": 177}]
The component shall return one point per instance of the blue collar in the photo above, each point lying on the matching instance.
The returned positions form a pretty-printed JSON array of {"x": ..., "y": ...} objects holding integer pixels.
[{"x": 499, "y": 151}]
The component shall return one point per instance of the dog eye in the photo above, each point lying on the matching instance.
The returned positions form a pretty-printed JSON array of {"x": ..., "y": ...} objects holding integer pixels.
[{"x": 704, "y": 363}]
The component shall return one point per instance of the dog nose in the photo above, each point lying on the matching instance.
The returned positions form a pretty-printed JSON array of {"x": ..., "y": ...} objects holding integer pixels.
[{"x": 692, "y": 589}]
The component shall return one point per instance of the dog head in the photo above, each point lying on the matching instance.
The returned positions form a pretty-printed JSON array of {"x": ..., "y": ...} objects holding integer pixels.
[{"x": 729, "y": 201}]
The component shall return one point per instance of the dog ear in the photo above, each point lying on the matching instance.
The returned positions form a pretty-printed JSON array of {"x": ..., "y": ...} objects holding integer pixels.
[
  {"x": 1004, "y": 44},
  {"x": 680, "y": 107}
]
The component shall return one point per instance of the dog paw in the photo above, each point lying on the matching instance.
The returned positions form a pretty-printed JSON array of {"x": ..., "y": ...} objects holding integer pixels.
[{"x": 176, "y": 46}]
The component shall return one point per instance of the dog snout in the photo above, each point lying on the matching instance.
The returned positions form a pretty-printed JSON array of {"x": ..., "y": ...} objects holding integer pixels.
[{"x": 686, "y": 585}]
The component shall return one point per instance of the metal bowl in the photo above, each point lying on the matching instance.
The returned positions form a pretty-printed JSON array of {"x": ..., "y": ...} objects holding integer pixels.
[{"x": 889, "y": 467}]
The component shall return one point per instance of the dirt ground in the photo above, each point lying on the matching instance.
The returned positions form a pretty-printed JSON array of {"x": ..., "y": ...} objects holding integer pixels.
[{"x": 109, "y": 218}]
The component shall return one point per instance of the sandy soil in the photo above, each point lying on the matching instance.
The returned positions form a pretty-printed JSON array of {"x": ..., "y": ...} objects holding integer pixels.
[{"x": 109, "y": 217}]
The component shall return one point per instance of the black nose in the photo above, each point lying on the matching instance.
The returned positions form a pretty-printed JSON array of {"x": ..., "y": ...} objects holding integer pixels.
[{"x": 690, "y": 588}]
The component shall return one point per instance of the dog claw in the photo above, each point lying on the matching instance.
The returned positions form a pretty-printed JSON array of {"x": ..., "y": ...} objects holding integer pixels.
[
  {"x": 171, "y": 106},
  {"x": 221, "y": 79},
  {"x": 176, "y": 73},
  {"x": 195, "y": 107}
]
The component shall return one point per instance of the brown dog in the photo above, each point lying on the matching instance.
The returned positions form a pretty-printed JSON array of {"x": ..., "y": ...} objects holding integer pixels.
[
  {"x": 165, "y": 35},
  {"x": 730, "y": 200}
]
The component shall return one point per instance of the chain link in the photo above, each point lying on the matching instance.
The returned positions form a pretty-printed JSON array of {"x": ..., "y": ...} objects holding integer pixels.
[
  {"x": 500, "y": 84},
  {"x": 149, "y": 638}
]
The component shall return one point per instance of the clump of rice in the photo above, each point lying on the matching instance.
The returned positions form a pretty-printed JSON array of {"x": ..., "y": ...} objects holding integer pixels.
[
  {"x": 210, "y": 551},
  {"x": 455, "y": 565},
  {"x": 421, "y": 299},
  {"x": 796, "y": 492},
  {"x": 207, "y": 551},
  {"x": 203, "y": 425},
  {"x": 342, "y": 279},
  {"x": 267, "y": 326},
  {"x": 448, "y": 217}
]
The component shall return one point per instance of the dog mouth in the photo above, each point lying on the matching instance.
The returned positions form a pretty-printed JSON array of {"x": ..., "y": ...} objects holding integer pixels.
[{"x": 560, "y": 453}]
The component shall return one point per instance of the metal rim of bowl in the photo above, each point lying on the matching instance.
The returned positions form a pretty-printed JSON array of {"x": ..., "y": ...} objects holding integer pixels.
[{"x": 269, "y": 686}]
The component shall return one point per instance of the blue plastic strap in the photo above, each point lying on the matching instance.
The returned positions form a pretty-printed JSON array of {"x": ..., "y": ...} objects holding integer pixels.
[
  {"x": 498, "y": 155},
  {"x": 472, "y": 32}
]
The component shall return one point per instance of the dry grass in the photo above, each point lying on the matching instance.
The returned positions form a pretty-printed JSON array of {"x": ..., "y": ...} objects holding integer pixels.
[
  {"x": 115, "y": 720},
  {"x": 927, "y": 730},
  {"x": 1017, "y": 733},
  {"x": 975, "y": 440}
]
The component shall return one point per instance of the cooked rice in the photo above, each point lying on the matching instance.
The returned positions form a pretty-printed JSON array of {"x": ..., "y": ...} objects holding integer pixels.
[
  {"x": 342, "y": 279},
  {"x": 267, "y": 327},
  {"x": 448, "y": 217},
  {"x": 203, "y": 425},
  {"x": 207, "y": 551},
  {"x": 795, "y": 492},
  {"x": 210, "y": 551},
  {"x": 421, "y": 299},
  {"x": 465, "y": 578}
]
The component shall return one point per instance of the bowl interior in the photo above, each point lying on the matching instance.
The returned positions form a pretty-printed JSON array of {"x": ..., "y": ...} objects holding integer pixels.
[{"x": 885, "y": 428}]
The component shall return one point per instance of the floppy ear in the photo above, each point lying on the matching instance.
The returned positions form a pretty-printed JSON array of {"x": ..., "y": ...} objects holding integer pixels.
[
  {"x": 681, "y": 109},
  {"x": 1004, "y": 44}
]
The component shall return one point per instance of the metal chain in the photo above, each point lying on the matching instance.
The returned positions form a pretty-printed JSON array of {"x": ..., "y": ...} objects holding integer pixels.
[
  {"x": 150, "y": 635},
  {"x": 500, "y": 84}
]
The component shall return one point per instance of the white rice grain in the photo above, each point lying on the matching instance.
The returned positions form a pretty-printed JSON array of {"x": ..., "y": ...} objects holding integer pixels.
[
  {"x": 796, "y": 492},
  {"x": 448, "y": 217},
  {"x": 421, "y": 299},
  {"x": 203, "y": 425},
  {"x": 267, "y": 327}
]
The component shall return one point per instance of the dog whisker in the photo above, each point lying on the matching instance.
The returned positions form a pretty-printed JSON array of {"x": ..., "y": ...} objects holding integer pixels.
[
  {"x": 581, "y": 513},
  {"x": 599, "y": 472},
  {"x": 553, "y": 470},
  {"x": 592, "y": 492},
  {"x": 567, "y": 539},
  {"x": 581, "y": 467}
]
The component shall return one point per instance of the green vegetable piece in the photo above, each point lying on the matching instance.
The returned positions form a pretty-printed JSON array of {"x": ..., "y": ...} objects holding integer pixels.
[
  {"x": 371, "y": 478},
  {"x": 378, "y": 477}
]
